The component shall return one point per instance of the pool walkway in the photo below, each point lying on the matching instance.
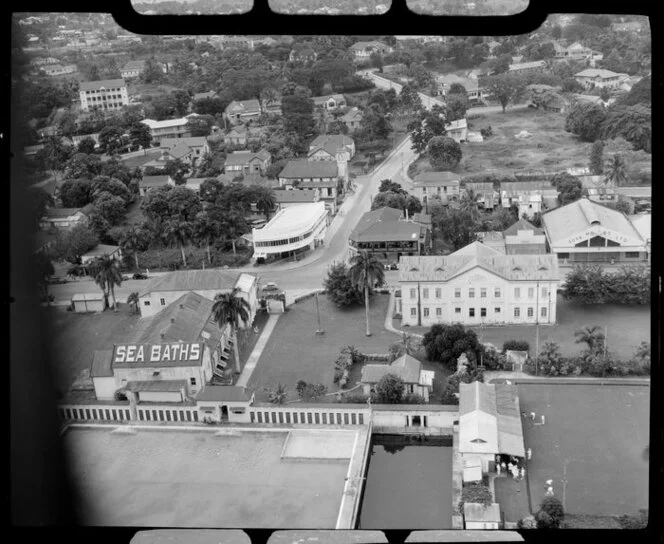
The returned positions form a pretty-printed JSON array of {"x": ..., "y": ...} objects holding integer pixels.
[{"x": 252, "y": 361}]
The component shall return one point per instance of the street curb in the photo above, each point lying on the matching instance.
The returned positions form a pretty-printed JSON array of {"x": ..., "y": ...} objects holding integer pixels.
[{"x": 576, "y": 381}]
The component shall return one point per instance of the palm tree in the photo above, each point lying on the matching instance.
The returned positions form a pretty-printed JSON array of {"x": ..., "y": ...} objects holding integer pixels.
[
  {"x": 132, "y": 300},
  {"x": 231, "y": 309},
  {"x": 204, "y": 229},
  {"x": 265, "y": 201},
  {"x": 106, "y": 272},
  {"x": 45, "y": 270},
  {"x": 277, "y": 395},
  {"x": 614, "y": 170},
  {"x": 179, "y": 232},
  {"x": 321, "y": 120},
  {"x": 134, "y": 240},
  {"x": 468, "y": 203},
  {"x": 593, "y": 337},
  {"x": 365, "y": 271},
  {"x": 233, "y": 225}
]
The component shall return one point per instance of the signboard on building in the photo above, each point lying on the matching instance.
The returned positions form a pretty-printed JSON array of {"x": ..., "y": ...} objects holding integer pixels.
[
  {"x": 598, "y": 231},
  {"x": 157, "y": 353}
]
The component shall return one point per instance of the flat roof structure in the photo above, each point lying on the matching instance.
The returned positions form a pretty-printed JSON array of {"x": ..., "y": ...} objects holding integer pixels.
[
  {"x": 167, "y": 123},
  {"x": 222, "y": 478},
  {"x": 291, "y": 222}
]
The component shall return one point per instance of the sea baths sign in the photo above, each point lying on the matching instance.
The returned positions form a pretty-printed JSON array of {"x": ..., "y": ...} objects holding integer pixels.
[{"x": 157, "y": 353}]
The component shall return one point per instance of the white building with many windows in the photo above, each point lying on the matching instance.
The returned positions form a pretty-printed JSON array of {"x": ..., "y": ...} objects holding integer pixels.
[
  {"x": 108, "y": 94},
  {"x": 291, "y": 231},
  {"x": 478, "y": 285}
]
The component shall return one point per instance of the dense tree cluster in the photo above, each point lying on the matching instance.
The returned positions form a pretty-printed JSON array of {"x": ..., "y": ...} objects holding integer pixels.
[{"x": 592, "y": 285}]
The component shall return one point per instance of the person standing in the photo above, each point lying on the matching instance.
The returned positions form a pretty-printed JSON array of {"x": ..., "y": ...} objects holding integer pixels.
[
  {"x": 543, "y": 420},
  {"x": 498, "y": 469},
  {"x": 529, "y": 453}
]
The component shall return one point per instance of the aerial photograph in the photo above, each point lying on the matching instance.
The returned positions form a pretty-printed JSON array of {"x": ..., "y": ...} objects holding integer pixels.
[{"x": 343, "y": 281}]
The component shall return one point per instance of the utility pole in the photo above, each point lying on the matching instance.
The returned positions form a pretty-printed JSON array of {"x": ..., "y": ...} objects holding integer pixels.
[
  {"x": 606, "y": 333},
  {"x": 419, "y": 306},
  {"x": 537, "y": 322}
]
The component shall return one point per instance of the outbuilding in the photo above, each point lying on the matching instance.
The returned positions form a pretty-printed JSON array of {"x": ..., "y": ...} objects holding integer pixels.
[{"x": 88, "y": 302}]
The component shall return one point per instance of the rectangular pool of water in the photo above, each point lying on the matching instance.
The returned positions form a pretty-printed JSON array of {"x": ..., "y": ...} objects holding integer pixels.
[
  {"x": 409, "y": 484},
  {"x": 171, "y": 478}
]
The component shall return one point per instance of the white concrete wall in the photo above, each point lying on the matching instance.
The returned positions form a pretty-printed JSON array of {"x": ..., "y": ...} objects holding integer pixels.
[
  {"x": 477, "y": 279},
  {"x": 124, "y": 375},
  {"x": 159, "y": 396},
  {"x": 397, "y": 418},
  {"x": 104, "y": 388}
]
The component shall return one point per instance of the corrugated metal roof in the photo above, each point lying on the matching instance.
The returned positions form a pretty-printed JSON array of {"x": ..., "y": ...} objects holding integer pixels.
[
  {"x": 521, "y": 224},
  {"x": 310, "y": 169},
  {"x": 194, "y": 280},
  {"x": 223, "y": 393},
  {"x": 163, "y": 386},
  {"x": 385, "y": 225},
  {"x": 430, "y": 179},
  {"x": 101, "y": 364},
  {"x": 406, "y": 367}
]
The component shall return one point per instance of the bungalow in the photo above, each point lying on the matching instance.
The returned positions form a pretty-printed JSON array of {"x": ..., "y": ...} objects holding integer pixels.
[
  {"x": 243, "y": 111},
  {"x": 330, "y": 143},
  {"x": 150, "y": 182},
  {"x": 272, "y": 107},
  {"x": 473, "y": 89},
  {"x": 443, "y": 184},
  {"x": 115, "y": 252},
  {"x": 352, "y": 119},
  {"x": 132, "y": 69},
  {"x": 529, "y": 196},
  {"x": 236, "y": 136},
  {"x": 598, "y": 78},
  {"x": 60, "y": 70},
  {"x": 188, "y": 149},
  {"x": 204, "y": 96},
  {"x": 65, "y": 218},
  {"x": 363, "y": 50},
  {"x": 305, "y": 175},
  {"x": 487, "y": 196},
  {"x": 416, "y": 380},
  {"x": 457, "y": 130},
  {"x": 288, "y": 199},
  {"x": 524, "y": 238},
  {"x": 302, "y": 53},
  {"x": 330, "y": 102},
  {"x": 527, "y": 67},
  {"x": 246, "y": 162},
  {"x": 78, "y": 138}
]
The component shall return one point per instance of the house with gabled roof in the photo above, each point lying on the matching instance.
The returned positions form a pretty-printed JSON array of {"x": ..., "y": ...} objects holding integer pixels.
[
  {"x": 330, "y": 102},
  {"x": 489, "y": 423},
  {"x": 243, "y": 111},
  {"x": 443, "y": 184},
  {"x": 65, "y": 218},
  {"x": 240, "y": 163},
  {"x": 598, "y": 78},
  {"x": 302, "y": 52},
  {"x": 363, "y": 50},
  {"x": 478, "y": 285},
  {"x": 163, "y": 290},
  {"x": 352, "y": 119},
  {"x": 147, "y": 183},
  {"x": 132, "y": 69},
  {"x": 417, "y": 381},
  {"x": 326, "y": 146}
]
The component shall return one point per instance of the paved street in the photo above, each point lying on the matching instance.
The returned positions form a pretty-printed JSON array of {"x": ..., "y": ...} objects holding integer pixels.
[{"x": 307, "y": 274}]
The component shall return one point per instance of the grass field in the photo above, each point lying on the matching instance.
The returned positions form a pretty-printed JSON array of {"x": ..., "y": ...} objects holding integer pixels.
[
  {"x": 294, "y": 352},
  {"x": 627, "y": 326},
  {"x": 549, "y": 147},
  {"x": 593, "y": 446}
]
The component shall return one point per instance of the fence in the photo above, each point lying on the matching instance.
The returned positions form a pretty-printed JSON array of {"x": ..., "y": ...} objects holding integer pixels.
[
  {"x": 124, "y": 413},
  {"x": 324, "y": 415}
]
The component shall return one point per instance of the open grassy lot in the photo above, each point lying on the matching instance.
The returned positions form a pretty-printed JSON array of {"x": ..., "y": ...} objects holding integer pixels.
[
  {"x": 294, "y": 351},
  {"x": 593, "y": 446},
  {"x": 140, "y": 160},
  {"x": 549, "y": 147},
  {"x": 627, "y": 326}
]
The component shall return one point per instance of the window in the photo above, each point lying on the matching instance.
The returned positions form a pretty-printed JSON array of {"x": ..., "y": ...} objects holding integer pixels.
[
  {"x": 530, "y": 312},
  {"x": 413, "y": 312},
  {"x": 425, "y": 293},
  {"x": 439, "y": 292},
  {"x": 162, "y": 301},
  {"x": 563, "y": 255},
  {"x": 517, "y": 312},
  {"x": 483, "y": 292},
  {"x": 457, "y": 293},
  {"x": 543, "y": 312},
  {"x": 545, "y": 292},
  {"x": 413, "y": 293},
  {"x": 457, "y": 310},
  {"x": 531, "y": 292},
  {"x": 496, "y": 310},
  {"x": 426, "y": 312},
  {"x": 496, "y": 292},
  {"x": 471, "y": 312},
  {"x": 517, "y": 292},
  {"x": 632, "y": 254},
  {"x": 471, "y": 292},
  {"x": 192, "y": 381},
  {"x": 482, "y": 312},
  {"x": 424, "y": 190},
  {"x": 439, "y": 312},
  {"x": 146, "y": 303}
]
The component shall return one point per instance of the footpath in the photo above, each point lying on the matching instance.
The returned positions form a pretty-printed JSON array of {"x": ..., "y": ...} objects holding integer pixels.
[{"x": 256, "y": 353}]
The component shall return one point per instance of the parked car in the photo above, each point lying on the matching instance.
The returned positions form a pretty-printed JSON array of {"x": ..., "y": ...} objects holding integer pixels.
[
  {"x": 270, "y": 287},
  {"x": 56, "y": 281},
  {"x": 139, "y": 276}
]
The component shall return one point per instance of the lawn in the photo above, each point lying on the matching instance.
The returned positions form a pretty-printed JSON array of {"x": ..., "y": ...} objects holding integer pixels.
[
  {"x": 294, "y": 352},
  {"x": 627, "y": 326},
  {"x": 140, "y": 160},
  {"x": 549, "y": 147},
  {"x": 75, "y": 337},
  {"x": 593, "y": 446}
]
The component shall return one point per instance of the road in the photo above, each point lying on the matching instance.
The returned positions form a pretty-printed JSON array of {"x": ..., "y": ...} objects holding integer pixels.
[{"x": 307, "y": 274}]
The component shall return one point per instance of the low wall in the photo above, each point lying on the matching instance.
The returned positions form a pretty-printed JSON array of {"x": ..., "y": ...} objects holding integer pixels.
[
  {"x": 311, "y": 414},
  {"x": 457, "y": 481},
  {"x": 100, "y": 412},
  {"x": 391, "y": 420}
]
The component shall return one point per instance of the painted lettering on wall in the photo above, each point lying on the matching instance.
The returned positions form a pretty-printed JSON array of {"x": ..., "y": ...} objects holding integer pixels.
[
  {"x": 589, "y": 233},
  {"x": 156, "y": 353}
]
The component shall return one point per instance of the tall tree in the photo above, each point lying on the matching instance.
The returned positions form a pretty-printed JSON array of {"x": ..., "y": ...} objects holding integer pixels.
[
  {"x": 231, "y": 309},
  {"x": 597, "y": 158},
  {"x": 614, "y": 170},
  {"x": 444, "y": 153},
  {"x": 45, "y": 270},
  {"x": 204, "y": 230},
  {"x": 266, "y": 202},
  {"x": 365, "y": 272},
  {"x": 134, "y": 239},
  {"x": 106, "y": 272},
  {"x": 505, "y": 88},
  {"x": 178, "y": 232},
  {"x": 585, "y": 120}
]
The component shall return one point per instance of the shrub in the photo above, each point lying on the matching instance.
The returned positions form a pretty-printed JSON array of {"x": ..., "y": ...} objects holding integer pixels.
[
  {"x": 353, "y": 398},
  {"x": 516, "y": 345},
  {"x": 413, "y": 398},
  {"x": 550, "y": 514},
  {"x": 638, "y": 521},
  {"x": 389, "y": 390},
  {"x": 475, "y": 492},
  {"x": 486, "y": 132},
  {"x": 120, "y": 395}
]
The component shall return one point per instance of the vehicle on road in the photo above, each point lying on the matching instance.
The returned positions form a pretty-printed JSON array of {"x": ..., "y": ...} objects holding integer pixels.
[
  {"x": 139, "y": 276},
  {"x": 271, "y": 286}
]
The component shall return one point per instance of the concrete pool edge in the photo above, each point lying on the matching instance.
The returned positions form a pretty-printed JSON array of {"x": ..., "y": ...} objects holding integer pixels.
[{"x": 355, "y": 477}]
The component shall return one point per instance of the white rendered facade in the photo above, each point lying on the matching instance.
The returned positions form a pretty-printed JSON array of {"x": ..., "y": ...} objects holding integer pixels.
[
  {"x": 103, "y": 95},
  {"x": 291, "y": 229}
]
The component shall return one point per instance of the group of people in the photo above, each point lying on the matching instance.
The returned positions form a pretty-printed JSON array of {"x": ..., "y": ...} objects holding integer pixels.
[{"x": 508, "y": 463}]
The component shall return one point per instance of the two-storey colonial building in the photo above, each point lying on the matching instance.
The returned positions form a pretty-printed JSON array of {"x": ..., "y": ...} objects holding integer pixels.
[
  {"x": 106, "y": 95},
  {"x": 478, "y": 285}
]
